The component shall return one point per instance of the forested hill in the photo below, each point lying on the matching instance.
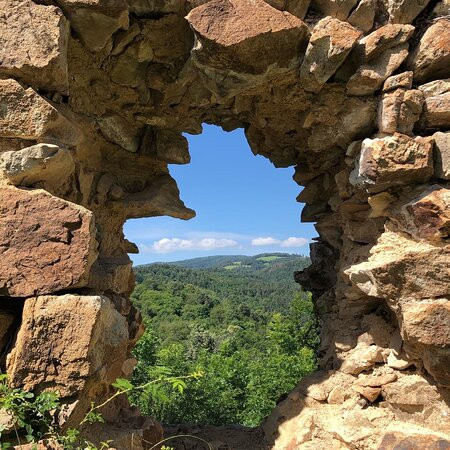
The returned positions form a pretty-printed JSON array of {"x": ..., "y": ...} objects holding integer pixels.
[
  {"x": 263, "y": 282},
  {"x": 241, "y": 320},
  {"x": 281, "y": 261}
]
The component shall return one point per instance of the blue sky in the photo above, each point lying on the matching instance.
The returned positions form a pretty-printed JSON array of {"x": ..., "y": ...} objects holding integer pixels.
[{"x": 244, "y": 205}]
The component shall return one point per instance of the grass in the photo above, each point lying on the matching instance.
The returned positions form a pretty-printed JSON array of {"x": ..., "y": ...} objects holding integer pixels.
[
  {"x": 269, "y": 258},
  {"x": 235, "y": 265}
]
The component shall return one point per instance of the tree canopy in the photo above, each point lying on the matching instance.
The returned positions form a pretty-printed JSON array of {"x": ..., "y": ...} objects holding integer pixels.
[{"x": 243, "y": 321}]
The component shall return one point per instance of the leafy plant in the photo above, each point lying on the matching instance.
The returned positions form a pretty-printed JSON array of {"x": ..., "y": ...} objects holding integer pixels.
[
  {"x": 29, "y": 412},
  {"x": 33, "y": 415}
]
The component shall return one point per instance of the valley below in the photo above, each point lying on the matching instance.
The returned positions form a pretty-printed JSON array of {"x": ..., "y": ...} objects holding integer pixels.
[{"x": 242, "y": 321}]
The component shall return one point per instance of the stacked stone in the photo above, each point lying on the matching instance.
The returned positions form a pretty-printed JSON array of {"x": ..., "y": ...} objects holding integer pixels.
[{"x": 94, "y": 98}]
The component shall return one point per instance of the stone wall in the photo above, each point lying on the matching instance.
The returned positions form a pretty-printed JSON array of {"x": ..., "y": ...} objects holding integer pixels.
[{"x": 94, "y": 98}]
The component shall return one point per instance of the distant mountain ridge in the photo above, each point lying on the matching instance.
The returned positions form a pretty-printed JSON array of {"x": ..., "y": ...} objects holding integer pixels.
[
  {"x": 265, "y": 280},
  {"x": 260, "y": 261}
]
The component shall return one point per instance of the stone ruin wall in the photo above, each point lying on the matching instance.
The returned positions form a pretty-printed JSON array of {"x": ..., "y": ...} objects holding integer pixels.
[{"x": 94, "y": 97}]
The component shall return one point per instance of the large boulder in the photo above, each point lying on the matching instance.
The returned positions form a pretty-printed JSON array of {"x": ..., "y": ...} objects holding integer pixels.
[
  {"x": 46, "y": 355},
  {"x": 46, "y": 244},
  {"x": 35, "y": 54},
  {"x": 238, "y": 42}
]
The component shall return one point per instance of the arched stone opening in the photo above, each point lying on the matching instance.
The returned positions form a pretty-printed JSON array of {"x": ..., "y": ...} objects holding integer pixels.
[
  {"x": 91, "y": 113},
  {"x": 208, "y": 310}
]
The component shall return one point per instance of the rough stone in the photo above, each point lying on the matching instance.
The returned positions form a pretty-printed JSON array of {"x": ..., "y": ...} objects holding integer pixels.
[
  {"x": 46, "y": 354},
  {"x": 336, "y": 396},
  {"x": 95, "y": 21},
  {"x": 353, "y": 428},
  {"x": 379, "y": 203},
  {"x": 397, "y": 440},
  {"x": 172, "y": 148},
  {"x": 435, "y": 88},
  {"x": 361, "y": 358},
  {"x": 225, "y": 46},
  {"x": 330, "y": 43},
  {"x": 410, "y": 392},
  {"x": 7, "y": 421},
  {"x": 431, "y": 58},
  {"x": 399, "y": 110},
  {"x": 436, "y": 111},
  {"x": 404, "y": 11},
  {"x": 419, "y": 264},
  {"x": 382, "y": 39},
  {"x": 370, "y": 393},
  {"x": 426, "y": 216},
  {"x": 295, "y": 7},
  {"x": 442, "y": 155},
  {"x": 36, "y": 55},
  {"x": 47, "y": 244},
  {"x": 402, "y": 80},
  {"x": 125, "y": 38},
  {"x": 119, "y": 131},
  {"x": 392, "y": 161},
  {"x": 335, "y": 8},
  {"x": 370, "y": 77},
  {"x": 134, "y": 432},
  {"x": 363, "y": 15},
  {"x": 27, "y": 115},
  {"x": 441, "y": 9},
  {"x": 41, "y": 162},
  {"x": 428, "y": 322},
  {"x": 376, "y": 381}
]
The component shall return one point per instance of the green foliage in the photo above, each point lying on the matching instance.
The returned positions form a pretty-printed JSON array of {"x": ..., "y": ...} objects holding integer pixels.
[
  {"x": 251, "y": 330},
  {"x": 268, "y": 258},
  {"x": 33, "y": 415},
  {"x": 254, "y": 262}
]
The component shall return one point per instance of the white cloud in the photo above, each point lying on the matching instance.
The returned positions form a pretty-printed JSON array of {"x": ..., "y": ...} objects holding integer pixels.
[
  {"x": 212, "y": 243},
  {"x": 168, "y": 245},
  {"x": 262, "y": 241},
  {"x": 215, "y": 241},
  {"x": 294, "y": 242}
]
